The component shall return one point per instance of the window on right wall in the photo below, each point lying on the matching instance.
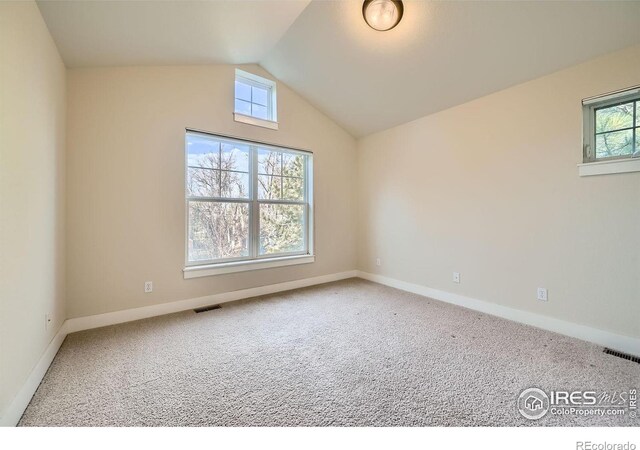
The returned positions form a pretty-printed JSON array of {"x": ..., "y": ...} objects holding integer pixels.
[{"x": 611, "y": 133}]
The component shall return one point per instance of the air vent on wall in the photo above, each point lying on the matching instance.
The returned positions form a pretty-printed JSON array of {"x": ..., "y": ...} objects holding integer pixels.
[
  {"x": 635, "y": 359},
  {"x": 207, "y": 308}
]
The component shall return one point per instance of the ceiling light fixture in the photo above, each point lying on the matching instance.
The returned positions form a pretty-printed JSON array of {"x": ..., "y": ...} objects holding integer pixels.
[{"x": 382, "y": 15}]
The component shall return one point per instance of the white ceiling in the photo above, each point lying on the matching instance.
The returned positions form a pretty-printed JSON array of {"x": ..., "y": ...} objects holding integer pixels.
[
  {"x": 443, "y": 53},
  {"x": 440, "y": 55},
  {"x": 119, "y": 33}
]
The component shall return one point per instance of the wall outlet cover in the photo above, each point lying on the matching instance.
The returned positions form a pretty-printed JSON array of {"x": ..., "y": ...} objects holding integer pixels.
[{"x": 542, "y": 294}]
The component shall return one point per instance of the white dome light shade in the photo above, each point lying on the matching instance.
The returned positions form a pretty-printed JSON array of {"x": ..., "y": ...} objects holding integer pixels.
[{"x": 382, "y": 15}]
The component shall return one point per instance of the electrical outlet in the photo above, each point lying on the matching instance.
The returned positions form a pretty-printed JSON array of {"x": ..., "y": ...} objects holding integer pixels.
[
  {"x": 148, "y": 286},
  {"x": 47, "y": 321},
  {"x": 456, "y": 277},
  {"x": 378, "y": 262},
  {"x": 542, "y": 294}
]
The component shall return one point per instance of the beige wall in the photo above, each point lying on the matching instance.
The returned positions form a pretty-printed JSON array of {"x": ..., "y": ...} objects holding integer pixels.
[
  {"x": 490, "y": 189},
  {"x": 32, "y": 137},
  {"x": 125, "y": 182}
]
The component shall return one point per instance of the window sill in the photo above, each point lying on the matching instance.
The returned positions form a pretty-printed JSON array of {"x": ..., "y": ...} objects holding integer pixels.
[
  {"x": 255, "y": 121},
  {"x": 609, "y": 167},
  {"x": 243, "y": 266}
]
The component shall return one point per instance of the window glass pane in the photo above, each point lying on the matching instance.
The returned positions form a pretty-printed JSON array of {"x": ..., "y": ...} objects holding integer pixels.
[
  {"x": 614, "y": 117},
  {"x": 292, "y": 188},
  {"x": 203, "y": 152},
  {"x": 259, "y": 112},
  {"x": 243, "y": 91},
  {"x": 637, "y": 149},
  {"x": 281, "y": 228},
  {"x": 218, "y": 230},
  {"x": 235, "y": 157},
  {"x": 221, "y": 168},
  {"x": 234, "y": 184},
  {"x": 269, "y": 188},
  {"x": 292, "y": 165},
  {"x": 617, "y": 143},
  {"x": 269, "y": 163},
  {"x": 637, "y": 114},
  {"x": 259, "y": 95},
  {"x": 203, "y": 182},
  {"x": 243, "y": 107}
]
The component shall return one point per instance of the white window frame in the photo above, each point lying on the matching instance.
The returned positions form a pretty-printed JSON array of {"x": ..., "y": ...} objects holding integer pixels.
[
  {"x": 272, "y": 100},
  {"x": 601, "y": 166},
  {"x": 254, "y": 261}
]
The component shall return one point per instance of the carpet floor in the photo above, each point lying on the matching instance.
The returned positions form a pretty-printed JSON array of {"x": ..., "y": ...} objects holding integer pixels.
[{"x": 350, "y": 353}]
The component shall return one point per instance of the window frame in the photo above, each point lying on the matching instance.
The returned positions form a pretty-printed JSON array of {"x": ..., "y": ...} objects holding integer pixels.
[
  {"x": 253, "y": 260},
  {"x": 272, "y": 100},
  {"x": 591, "y": 165}
]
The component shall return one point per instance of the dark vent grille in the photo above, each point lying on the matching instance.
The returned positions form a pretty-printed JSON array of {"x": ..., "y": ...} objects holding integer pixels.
[
  {"x": 635, "y": 359},
  {"x": 207, "y": 308}
]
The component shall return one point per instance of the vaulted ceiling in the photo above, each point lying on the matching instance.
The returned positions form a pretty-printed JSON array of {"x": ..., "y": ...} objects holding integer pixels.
[
  {"x": 121, "y": 33},
  {"x": 440, "y": 55}
]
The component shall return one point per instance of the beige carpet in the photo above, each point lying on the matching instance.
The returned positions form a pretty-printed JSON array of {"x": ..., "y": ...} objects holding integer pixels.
[{"x": 345, "y": 353}]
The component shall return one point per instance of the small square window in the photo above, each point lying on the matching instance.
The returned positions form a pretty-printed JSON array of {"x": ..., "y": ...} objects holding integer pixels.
[
  {"x": 612, "y": 126},
  {"x": 255, "y": 100}
]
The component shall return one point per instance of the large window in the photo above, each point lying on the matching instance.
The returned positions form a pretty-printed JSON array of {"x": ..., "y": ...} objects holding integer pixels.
[{"x": 246, "y": 201}]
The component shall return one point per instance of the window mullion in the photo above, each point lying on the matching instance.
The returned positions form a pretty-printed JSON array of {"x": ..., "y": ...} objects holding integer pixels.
[
  {"x": 599, "y": 133},
  {"x": 255, "y": 207},
  {"x": 220, "y": 169},
  {"x": 633, "y": 125},
  {"x": 592, "y": 146},
  {"x": 305, "y": 197}
]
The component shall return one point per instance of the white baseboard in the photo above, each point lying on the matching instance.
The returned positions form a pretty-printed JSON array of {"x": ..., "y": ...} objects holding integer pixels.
[
  {"x": 618, "y": 342},
  {"x": 21, "y": 401},
  {"x": 19, "y": 404},
  {"x": 128, "y": 315}
]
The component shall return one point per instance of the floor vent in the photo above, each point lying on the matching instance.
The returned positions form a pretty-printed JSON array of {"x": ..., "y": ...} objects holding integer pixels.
[
  {"x": 207, "y": 308},
  {"x": 635, "y": 359}
]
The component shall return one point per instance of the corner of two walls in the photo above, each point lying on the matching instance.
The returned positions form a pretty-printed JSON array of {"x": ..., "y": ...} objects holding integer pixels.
[
  {"x": 490, "y": 189},
  {"x": 32, "y": 198}
]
